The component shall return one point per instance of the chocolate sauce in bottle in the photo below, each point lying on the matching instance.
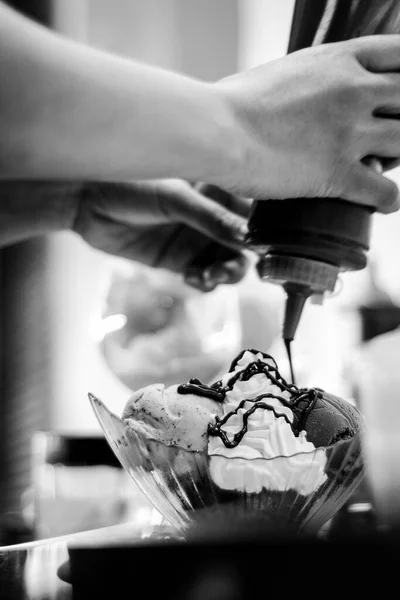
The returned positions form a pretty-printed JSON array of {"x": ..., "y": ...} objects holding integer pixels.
[{"x": 304, "y": 245}]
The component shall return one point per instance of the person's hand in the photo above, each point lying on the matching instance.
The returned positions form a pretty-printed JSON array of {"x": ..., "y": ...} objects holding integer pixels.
[
  {"x": 194, "y": 230},
  {"x": 307, "y": 121}
]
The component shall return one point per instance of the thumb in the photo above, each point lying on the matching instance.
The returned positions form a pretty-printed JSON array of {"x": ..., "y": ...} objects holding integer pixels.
[
  {"x": 379, "y": 53},
  {"x": 373, "y": 189}
]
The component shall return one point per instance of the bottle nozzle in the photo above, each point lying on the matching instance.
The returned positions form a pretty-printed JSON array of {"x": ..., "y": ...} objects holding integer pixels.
[
  {"x": 301, "y": 278},
  {"x": 297, "y": 295}
]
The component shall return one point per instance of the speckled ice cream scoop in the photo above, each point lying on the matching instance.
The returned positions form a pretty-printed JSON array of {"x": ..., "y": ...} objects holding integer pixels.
[{"x": 176, "y": 419}]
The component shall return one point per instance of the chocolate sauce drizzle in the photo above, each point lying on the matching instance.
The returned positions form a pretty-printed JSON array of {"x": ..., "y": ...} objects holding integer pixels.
[
  {"x": 217, "y": 391},
  {"x": 194, "y": 386}
]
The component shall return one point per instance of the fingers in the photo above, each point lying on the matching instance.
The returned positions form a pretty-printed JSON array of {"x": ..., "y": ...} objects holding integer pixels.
[
  {"x": 379, "y": 53},
  {"x": 236, "y": 204},
  {"x": 210, "y": 217},
  {"x": 384, "y": 91},
  {"x": 373, "y": 189},
  {"x": 203, "y": 263},
  {"x": 373, "y": 163},
  {"x": 388, "y": 164},
  {"x": 384, "y": 138},
  {"x": 215, "y": 265}
]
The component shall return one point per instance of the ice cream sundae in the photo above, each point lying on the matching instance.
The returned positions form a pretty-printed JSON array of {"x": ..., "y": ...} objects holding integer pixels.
[{"x": 261, "y": 434}]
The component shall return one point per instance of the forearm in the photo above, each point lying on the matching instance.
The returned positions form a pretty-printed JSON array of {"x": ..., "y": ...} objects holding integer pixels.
[
  {"x": 32, "y": 208},
  {"x": 70, "y": 111}
]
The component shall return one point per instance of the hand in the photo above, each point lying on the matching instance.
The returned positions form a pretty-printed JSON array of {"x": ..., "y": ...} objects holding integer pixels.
[
  {"x": 194, "y": 230},
  {"x": 308, "y": 121}
]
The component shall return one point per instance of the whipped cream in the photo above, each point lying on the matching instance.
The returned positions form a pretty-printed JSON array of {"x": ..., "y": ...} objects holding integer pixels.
[{"x": 269, "y": 455}]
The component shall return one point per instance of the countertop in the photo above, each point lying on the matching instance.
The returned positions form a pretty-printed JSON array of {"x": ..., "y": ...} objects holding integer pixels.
[
  {"x": 29, "y": 571},
  {"x": 205, "y": 567}
]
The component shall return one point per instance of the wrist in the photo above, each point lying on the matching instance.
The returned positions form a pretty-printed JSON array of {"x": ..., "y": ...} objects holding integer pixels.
[
  {"x": 250, "y": 153},
  {"x": 226, "y": 149}
]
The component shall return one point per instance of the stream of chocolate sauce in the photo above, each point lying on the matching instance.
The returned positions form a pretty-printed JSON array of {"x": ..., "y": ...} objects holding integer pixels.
[
  {"x": 289, "y": 355},
  {"x": 217, "y": 391}
]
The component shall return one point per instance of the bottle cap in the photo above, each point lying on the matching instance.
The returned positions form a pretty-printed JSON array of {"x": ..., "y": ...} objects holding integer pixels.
[
  {"x": 300, "y": 278},
  {"x": 317, "y": 275}
]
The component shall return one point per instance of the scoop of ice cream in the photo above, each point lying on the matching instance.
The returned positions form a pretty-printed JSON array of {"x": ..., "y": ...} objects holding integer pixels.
[
  {"x": 162, "y": 414},
  {"x": 331, "y": 419}
]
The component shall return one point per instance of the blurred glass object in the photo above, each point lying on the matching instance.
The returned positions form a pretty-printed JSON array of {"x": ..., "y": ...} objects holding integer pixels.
[
  {"x": 78, "y": 485},
  {"x": 152, "y": 327},
  {"x": 375, "y": 375},
  {"x": 378, "y": 312}
]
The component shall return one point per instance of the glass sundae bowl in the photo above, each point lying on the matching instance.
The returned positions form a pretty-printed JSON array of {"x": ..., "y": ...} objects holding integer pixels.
[{"x": 184, "y": 486}]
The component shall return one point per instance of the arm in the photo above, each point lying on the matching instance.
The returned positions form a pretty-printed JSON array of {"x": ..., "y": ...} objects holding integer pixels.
[
  {"x": 70, "y": 111},
  {"x": 300, "y": 126}
]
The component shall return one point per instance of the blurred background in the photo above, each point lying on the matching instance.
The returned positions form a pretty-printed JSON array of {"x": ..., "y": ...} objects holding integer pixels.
[{"x": 73, "y": 320}]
